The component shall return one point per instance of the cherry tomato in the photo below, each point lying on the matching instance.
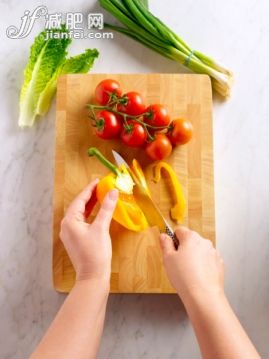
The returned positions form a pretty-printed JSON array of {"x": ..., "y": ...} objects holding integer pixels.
[
  {"x": 132, "y": 103},
  {"x": 105, "y": 89},
  {"x": 157, "y": 116},
  {"x": 108, "y": 125},
  {"x": 160, "y": 148},
  {"x": 133, "y": 134},
  {"x": 181, "y": 132}
]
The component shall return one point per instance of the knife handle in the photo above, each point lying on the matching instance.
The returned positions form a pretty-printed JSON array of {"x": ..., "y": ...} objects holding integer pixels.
[{"x": 171, "y": 234}]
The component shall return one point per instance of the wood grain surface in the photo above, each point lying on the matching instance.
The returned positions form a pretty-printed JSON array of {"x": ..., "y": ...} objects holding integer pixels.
[{"x": 136, "y": 265}]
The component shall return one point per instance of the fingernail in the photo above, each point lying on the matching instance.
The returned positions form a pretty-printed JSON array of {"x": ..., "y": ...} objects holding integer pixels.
[{"x": 113, "y": 195}]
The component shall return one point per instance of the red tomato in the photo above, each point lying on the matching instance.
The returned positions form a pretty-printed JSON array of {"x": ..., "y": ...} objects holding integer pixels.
[
  {"x": 132, "y": 103},
  {"x": 181, "y": 131},
  {"x": 108, "y": 125},
  {"x": 105, "y": 89},
  {"x": 133, "y": 134},
  {"x": 160, "y": 148},
  {"x": 158, "y": 116}
]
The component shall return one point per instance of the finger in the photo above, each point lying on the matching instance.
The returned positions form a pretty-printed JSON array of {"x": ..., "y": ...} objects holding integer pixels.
[
  {"x": 182, "y": 233},
  {"x": 90, "y": 204},
  {"x": 167, "y": 244},
  {"x": 77, "y": 206},
  {"x": 106, "y": 211}
]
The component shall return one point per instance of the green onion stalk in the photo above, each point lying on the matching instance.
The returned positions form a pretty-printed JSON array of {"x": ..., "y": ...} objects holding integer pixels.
[{"x": 141, "y": 25}]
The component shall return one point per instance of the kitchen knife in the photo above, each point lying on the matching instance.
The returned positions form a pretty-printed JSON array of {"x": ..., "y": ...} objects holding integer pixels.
[{"x": 149, "y": 208}]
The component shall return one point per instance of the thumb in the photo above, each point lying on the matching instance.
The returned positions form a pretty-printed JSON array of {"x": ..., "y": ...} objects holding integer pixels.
[
  {"x": 183, "y": 234},
  {"x": 106, "y": 211},
  {"x": 166, "y": 243}
]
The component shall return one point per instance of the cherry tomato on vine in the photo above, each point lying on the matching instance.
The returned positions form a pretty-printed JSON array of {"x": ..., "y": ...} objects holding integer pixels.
[
  {"x": 108, "y": 125},
  {"x": 160, "y": 148},
  {"x": 181, "y": 132},
  {"x": 133, "y": 134},
  {"x": 132, "y": 103},
  {"x": 157, "y": 115},
  {"x": 107, "y": 89}
]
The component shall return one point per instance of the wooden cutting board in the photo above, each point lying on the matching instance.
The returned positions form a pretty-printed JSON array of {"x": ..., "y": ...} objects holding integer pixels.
[{"x": 136, "y": 265}]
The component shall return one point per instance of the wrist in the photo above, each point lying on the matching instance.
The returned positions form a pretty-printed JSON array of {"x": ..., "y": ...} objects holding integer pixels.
[
  {"x": 201, "y": 297},
  {"x": 100, "y": 285},
  {"x": 101, "y": 275}
]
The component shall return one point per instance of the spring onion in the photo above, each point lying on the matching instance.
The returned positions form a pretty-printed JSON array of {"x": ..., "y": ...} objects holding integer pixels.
[{"x": 141, "y": 25}]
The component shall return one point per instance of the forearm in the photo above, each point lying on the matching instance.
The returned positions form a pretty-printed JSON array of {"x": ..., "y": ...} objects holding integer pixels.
[
  {"x": 77, "y": 328},
  {"x": 218, "y": 331}
]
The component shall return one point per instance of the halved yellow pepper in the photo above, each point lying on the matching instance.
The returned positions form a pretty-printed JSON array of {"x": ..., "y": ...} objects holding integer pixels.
[
  {"x": 127, "y": 211},
  {"x": 178, "y": 210}
]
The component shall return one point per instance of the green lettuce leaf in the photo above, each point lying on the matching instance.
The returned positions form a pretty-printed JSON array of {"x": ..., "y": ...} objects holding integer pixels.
[
  {"x": 78, "y": 64},
  {"x": 46, "y": 62}
]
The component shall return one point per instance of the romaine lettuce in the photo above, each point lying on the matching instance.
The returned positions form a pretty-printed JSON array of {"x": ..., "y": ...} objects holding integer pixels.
[{"x": 46, "y": 62}]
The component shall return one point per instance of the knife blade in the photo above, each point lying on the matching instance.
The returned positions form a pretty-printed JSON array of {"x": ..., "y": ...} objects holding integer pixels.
[{"x": 148, "y": 207}]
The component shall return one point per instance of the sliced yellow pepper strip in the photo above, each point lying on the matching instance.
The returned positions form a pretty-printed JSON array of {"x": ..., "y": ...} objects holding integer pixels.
[
  {"x": 178, "y": 210},
  {"x": 139, "y": 174}
]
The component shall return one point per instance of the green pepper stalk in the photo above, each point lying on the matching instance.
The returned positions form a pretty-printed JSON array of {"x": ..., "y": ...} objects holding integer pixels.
[{"x": 123, "y": 180}]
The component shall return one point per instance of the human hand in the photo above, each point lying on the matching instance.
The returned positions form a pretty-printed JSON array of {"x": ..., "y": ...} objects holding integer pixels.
[
  {"x": 196, "y": 268},
  {"x": 89, "y": 245}
]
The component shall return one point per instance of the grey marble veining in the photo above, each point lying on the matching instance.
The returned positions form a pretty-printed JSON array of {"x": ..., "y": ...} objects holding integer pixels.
[{"x": 140, "y": 326}]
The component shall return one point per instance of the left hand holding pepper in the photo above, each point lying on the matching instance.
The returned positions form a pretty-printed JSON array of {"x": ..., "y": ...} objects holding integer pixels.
[{"x": 89, "y": 245}]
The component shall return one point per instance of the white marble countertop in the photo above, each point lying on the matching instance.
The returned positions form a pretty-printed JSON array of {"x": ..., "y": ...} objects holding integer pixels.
[{"x": 141, "y": 326}]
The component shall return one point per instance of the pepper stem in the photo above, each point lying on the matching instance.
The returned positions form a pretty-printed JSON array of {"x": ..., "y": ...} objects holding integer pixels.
[{"x": 93, "y": 151}]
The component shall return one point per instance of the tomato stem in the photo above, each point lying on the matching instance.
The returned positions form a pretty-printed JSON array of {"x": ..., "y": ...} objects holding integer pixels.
[
  {"x": 151, "y": 138},
  {"x": 124, "y": 115},
  {"x": 125, "y": 120},
  {"x": 93, "y": 117}
]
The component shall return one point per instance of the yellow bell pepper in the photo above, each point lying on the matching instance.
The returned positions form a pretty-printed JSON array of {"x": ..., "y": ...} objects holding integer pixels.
[
  {"x": 178, "y": 210},
  {"x": 139, "y": 174},
  {"x": 127, "y": 211}
]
